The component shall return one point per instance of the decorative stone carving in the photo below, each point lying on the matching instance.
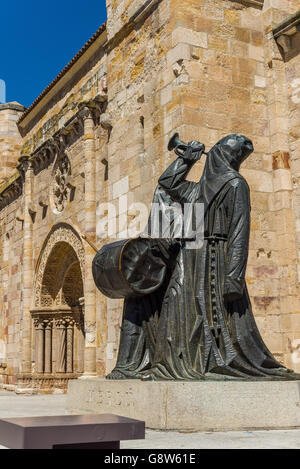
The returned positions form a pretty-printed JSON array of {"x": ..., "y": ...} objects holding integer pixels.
[
  {"x": 20, "y": 214},
  {"x": 60, "y": 233},
  {"x": 90, "y": 333},
  {"x": 42, "y": 158},
  {"x": 104, "y": 84},
  {"x": 45, "y": 154},
  {"x": 286, "y": 33},
  {"x": 59, "y": 191},
  {"x": 37, "y": 322},
  {"x": 85, "y": 111},
  {"x": 58, "y": 312},
  {"x": 59, "y": 340},
  {"x": 285, "y": 42},
  {"x": 106, "y": 121},
  {"x": 23, "y": 165},
  {"x": 32, "y": 209},
  {"x": 43, "y": 200}
]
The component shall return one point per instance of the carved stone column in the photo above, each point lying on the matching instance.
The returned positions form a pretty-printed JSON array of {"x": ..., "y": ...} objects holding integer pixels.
[
  {"x": 48, "y": 345},
  {"x": 79, "y": 349},
  {"x": 70, "y": 343},
  {"x": 90, "y": 233},
  {"x": 39, "y": 345},
  {"x": 27, "y": 267},
  {"x": 60, "y": 324}
]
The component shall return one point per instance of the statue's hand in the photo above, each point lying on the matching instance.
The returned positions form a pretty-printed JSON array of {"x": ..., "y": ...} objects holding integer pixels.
[
  {"x": 194, "y": 151},
  {"x": 196, "y": 146}
]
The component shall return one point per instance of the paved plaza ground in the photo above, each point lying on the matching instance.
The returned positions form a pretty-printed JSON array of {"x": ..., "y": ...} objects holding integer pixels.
[{"x": 13, "y": 405}]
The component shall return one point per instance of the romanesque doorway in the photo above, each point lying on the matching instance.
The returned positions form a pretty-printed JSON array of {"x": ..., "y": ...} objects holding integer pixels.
[{"x": 58, "y": 314}]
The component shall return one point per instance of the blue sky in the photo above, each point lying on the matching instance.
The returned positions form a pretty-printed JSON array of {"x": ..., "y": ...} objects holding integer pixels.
[{"x": 39, "y": 38}]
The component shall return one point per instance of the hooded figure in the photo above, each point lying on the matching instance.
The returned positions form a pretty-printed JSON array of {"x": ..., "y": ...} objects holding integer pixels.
[{"x": 199, "y": 324}]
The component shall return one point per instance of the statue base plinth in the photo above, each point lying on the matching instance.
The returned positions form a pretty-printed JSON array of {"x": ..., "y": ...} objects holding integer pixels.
[{"x": 191, "y": 406}]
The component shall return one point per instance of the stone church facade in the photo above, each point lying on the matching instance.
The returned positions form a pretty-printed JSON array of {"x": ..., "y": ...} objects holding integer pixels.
[{"x": 99, "y": 133}]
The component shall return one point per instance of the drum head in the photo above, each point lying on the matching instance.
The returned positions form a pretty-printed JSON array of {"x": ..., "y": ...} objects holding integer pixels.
[
  {"x": 141, "y": 266},
  {"x": 129, "y": 268}
]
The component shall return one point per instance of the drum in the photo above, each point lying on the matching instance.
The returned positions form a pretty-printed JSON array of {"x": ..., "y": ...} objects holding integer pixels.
[{"x": 129, "y": 268}]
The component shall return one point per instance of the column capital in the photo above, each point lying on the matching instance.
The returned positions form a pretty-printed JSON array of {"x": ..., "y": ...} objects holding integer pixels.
[
  {"x": 48, "y": 323},
  {"x": 38, "y": 323},
  {"x": 69, "y": 321},
  {"x": 25, "y": 165},
  {"x": 60, "y": 322},
  {"x": 85, "y": 111}
]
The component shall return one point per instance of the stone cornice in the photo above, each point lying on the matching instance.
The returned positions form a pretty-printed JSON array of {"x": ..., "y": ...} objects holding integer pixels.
[
  {"x": 288, "y": 27},
  {"x": 9, "y": 181},
  {"x": 12, "y": 107},
  {"x": 48, "y": 310},
  {"x": 11, "y": 190},
  {"x": 61, "y": 315},
  {"x": 144, "y": 10},
  {"x": 44, "y": 155},
  {"x": 58, "y": 139},
  {"x": 250, "y": 3},
  {"x": 285, "y": 31}
]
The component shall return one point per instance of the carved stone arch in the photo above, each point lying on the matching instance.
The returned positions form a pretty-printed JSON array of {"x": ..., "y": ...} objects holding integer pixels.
[{"x": 62, "y": 236}]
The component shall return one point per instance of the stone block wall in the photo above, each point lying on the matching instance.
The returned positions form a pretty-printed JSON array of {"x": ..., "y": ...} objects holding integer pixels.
[
  {"x": 10, "y": 139},
  {"x": 281, "y": 331},
  {"x": 11, "y": 278},
  {"x": 202, "y": 68}
]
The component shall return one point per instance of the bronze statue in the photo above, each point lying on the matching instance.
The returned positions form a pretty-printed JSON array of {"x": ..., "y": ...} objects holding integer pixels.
[{"x": 196, "y": 320}]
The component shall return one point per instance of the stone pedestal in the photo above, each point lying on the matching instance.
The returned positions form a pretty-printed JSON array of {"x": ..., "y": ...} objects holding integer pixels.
[{"x": 192, "y": 406}]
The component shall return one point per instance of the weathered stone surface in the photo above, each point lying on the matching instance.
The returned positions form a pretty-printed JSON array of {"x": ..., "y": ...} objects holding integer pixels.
[{"x": 191, "y": 406}]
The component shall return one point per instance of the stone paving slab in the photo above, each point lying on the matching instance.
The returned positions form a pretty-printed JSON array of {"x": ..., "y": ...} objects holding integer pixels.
[
  {"x": 13, "y": 405},
  {"x": 268, "y": 439}
]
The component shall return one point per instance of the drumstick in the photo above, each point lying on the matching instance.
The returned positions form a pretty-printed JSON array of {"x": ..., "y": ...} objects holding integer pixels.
[{"x": 90, "y": 243}]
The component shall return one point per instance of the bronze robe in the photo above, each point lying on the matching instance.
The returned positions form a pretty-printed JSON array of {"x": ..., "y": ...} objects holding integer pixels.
[{"x": 200, "y": 324}]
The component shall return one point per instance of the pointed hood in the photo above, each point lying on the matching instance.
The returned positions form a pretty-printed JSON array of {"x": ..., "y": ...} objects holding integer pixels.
[{"x": 222, "y": 164}]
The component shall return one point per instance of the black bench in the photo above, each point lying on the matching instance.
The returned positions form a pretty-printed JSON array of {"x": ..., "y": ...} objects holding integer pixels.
[{"x": 90, "y": 431}]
